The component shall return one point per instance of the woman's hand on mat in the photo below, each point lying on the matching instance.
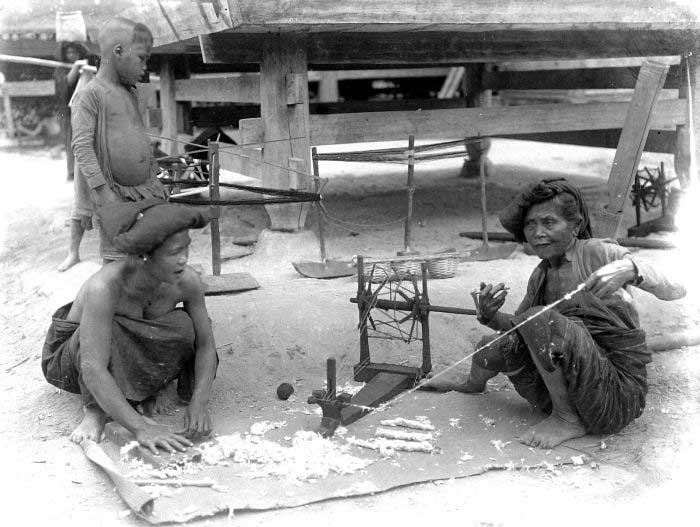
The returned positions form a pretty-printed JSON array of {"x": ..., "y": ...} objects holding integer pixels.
[
  {"x": 611, "y": 277},
  {"x": 153, "y": 436},
  {"x": 489, "y": 299},
  {"x": 197, "y": 421}
]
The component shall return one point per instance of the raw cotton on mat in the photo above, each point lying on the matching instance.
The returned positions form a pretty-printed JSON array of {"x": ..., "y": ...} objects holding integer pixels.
[{"x": 286, "y": 464}]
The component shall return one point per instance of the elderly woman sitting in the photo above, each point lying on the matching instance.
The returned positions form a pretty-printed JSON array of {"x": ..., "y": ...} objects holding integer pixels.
[
  {"x": 122, "y": 340},
  {"x": 584, "y": 362}
]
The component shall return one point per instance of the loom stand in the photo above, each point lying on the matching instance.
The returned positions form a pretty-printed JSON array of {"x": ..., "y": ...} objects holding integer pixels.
[{"x": 325, "y": 268}]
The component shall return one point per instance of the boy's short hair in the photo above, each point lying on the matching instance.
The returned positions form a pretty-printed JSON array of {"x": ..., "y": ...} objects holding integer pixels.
[
  {"x": 122, "y": 31},
  {"x": 142, "y": 34}
]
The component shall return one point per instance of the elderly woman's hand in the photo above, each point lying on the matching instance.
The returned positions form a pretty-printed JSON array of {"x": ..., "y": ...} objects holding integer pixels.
[
  {"x": 489, "y": 299},
  {"x": 611, "y": 277}
]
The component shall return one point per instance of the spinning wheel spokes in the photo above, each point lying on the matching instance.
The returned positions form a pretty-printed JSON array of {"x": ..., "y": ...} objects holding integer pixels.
[{"x": 389, "y": 326}]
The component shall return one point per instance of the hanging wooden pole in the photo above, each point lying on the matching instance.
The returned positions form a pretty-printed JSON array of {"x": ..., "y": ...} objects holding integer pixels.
[
  {"x": 215, "y": 210},
  {"x": 42, "y": 62},
  {"x": 410, "y": 189}
]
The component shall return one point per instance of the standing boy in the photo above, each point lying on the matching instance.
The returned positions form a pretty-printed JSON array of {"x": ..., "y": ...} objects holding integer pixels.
[
  {"x": 113, "y": 155},
  {"x": 65, "y": 85}
]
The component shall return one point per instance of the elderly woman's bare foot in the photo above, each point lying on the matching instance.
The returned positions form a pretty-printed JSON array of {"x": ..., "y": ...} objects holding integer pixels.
[
  {"x": 474, "y": 383},
  {"x": 91, "y": 427},
  {"x": 455, "y": 384},
  {"x": 553, "y": 431},
  {"x": 69, "y": 262},
  {"x": 441, "y": 384}
]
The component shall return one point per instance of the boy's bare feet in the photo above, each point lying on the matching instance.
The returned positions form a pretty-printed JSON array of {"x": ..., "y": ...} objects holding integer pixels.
[
  {"x": 92, "y": 425},
  {"x": 164, "y": 403},
  {"x": 554, "y": 430},
  {"x": 69, "y": 262}
]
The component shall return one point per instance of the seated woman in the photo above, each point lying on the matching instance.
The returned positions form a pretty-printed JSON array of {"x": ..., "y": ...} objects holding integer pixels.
[
  {"x": 123, "y": 339},
  {"x": 584, "y": 361}
]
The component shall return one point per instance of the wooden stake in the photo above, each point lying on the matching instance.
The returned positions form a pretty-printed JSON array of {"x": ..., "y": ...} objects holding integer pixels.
[
  {"x": 319, "y": 211},
  {"x": 482, "y": 184},
  {"x": 214, "y": 209},
  {"x": 410, "y": 189}
]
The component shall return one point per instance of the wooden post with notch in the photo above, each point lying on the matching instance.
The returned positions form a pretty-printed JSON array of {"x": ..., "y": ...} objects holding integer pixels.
[
  {"x": 284, "y": 109},
  {"x": 608, "y": 218}
]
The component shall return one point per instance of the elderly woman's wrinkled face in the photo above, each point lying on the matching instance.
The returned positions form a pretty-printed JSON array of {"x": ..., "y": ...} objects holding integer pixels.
[
  {"x": 169, "y": 260},
  {"x": 549, "y": 234}
]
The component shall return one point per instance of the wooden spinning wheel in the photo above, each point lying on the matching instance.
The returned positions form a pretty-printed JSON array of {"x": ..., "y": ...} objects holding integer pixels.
[{"x": 401, "y": 305}]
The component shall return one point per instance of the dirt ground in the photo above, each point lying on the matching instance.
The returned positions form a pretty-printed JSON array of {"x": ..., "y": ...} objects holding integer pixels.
[{"x": 285, "y": 330}]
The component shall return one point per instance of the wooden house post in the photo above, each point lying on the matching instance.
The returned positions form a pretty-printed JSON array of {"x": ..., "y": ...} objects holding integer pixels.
[
  {"x": 6, "y": 105},
  {"x": 284, "y": 109},
  {"x": 477, "y": 96},
  {"x": 168, "y": 107},
  {"x": 7, "y": 109}
]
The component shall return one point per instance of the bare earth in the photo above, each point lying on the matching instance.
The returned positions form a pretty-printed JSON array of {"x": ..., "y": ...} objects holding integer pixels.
[{"x": 288, "y": 327}]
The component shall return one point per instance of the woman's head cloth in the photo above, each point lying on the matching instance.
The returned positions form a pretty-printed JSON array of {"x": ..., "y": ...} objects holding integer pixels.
[
  {"x": 142, "y": 226},
  {"x": 513, "y": 216}
]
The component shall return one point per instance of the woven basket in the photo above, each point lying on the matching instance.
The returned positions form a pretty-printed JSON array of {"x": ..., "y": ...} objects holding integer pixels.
[
  {"x": 378, "y": 272},
  {"x": 405, "y": 270},
  {"x": 442, "y": 267}
]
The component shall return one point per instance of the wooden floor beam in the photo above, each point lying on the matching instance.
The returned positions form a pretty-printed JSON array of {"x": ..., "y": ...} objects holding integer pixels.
[
  {"x": 659, "y": 141},
  {"x": 472, "y": 122},
  {"x": 241, "y": 89},
  {"x": 436, "y": 48},
  {"x": 575, "y": 79}
]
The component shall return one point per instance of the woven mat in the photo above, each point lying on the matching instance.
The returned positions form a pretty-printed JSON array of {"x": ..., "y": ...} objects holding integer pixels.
[{"x": 474, "y": 434}]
